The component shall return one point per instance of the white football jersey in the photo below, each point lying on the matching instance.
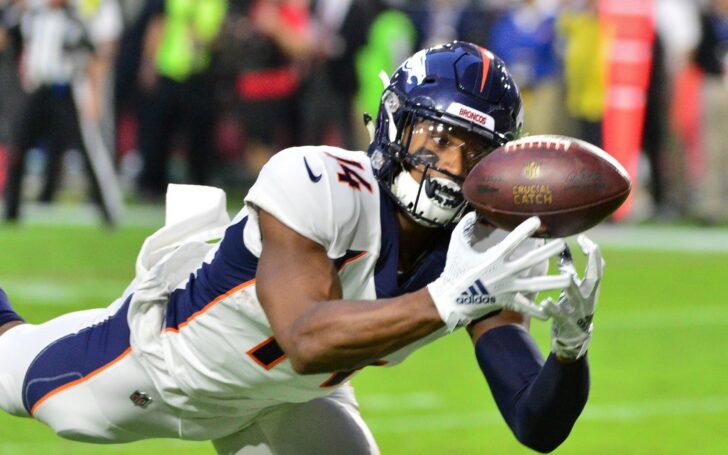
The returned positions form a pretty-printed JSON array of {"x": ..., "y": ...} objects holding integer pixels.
[{"x": 196, "y": 322}]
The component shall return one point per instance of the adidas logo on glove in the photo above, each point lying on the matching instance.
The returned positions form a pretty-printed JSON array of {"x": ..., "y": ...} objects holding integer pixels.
[{"x": 476, "y": 294}]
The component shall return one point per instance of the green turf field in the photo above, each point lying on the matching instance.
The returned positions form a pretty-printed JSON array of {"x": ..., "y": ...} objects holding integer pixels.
[{"x": 659, "y": 362}]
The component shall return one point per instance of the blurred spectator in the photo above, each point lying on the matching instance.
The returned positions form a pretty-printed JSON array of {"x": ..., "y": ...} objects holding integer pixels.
[
  {"x": 178, "y": 90},
  {"x": 10, "y": 92},
  {"x": 276, "y": 46},
  {"x": 131, "y": 10},
  {"x": 711, "y": 204},
  {"x": 439, "y": 21},
  {"x": 525, "y": 38},
  {"x": 584, "y": 44},
  {"x": 62, "y": 39},
  {"x": 680, "y": 163},
  {"x": 679, "y": 42},
  {"x": 341, "y": 28},
  {"x": 137, "y": 17},
  {"x": 655, "y": 129},
  {"x": 390, "y": 41}
]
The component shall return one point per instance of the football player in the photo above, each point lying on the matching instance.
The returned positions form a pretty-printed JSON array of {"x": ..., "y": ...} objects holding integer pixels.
[{"x": 339, "y": 260}]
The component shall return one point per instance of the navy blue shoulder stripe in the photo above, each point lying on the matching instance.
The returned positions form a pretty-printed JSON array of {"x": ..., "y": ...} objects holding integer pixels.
[
  {"x": 232, "y": 266},
  {"x": 388, "y": 281},
  {"x": 385, "y": 271}
]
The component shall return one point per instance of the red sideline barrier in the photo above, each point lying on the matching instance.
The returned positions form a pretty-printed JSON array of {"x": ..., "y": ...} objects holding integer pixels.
[{"x": 631, "y": 31}]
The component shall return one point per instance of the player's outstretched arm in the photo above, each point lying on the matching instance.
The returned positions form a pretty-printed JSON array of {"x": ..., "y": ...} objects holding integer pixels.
[
  {"x": 299, "y": 289},
  {"x": 540, "y": 400},
  {"x": 300, "y": 292}
]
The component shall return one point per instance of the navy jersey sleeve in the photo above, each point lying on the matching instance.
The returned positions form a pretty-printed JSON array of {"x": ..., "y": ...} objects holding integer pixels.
[{"x": 539, "y": 400}]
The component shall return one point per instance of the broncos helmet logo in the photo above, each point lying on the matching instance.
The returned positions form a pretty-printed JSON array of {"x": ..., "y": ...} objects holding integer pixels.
[{"x": 416, "y": 68}]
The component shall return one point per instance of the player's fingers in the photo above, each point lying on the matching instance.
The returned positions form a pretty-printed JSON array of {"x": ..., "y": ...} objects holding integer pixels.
[
  {"x": 460, "y": 243},
  {"x": 518, "y": 235},
  {"x": 585, "y": 243},
  {"x": 540, "y": 254},
  {"x": 549, "y": 307},
  {"x": 566, "y": 261},
  {"x": 594, "y": 264},
  {"x": 465, "y": 224},
  {"x": 464, "y": 229},
  {"x": 541, "y": 283},
  {"x": 524, "y": 306},
  {"x": 595, "y": 261}
]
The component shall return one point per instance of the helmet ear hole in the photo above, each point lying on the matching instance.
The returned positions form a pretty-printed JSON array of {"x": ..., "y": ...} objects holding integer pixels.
[{"x": 397, "y": 151}]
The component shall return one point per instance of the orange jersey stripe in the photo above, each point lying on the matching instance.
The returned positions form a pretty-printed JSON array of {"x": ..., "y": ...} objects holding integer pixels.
[
  {"x": 79, "y": 380},
  {"x": 210, "y": 305},
  {"x": 352, "y": 259}
]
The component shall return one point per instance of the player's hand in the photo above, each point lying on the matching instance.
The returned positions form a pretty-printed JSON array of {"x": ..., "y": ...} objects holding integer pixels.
[
  {"x": 572, "y": 315},
  {"x": 475, "y": 283}
]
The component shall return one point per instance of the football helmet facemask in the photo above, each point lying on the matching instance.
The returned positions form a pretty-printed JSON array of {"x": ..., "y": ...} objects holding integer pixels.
[{"x": 456, "y": 98}]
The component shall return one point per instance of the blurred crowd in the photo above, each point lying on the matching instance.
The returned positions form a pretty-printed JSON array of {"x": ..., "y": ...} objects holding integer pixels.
[{"x": 128, "y": 95}]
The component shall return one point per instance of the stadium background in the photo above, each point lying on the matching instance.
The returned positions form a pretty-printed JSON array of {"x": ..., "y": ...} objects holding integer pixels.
[{"x": 658, "y": 360}]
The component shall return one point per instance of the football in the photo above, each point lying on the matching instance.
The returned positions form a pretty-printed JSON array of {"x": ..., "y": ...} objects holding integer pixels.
[{"x": 570, "y": 184}]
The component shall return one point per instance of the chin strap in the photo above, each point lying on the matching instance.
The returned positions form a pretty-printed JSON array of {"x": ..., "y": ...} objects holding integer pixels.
[{"x": 369, "y": 125}]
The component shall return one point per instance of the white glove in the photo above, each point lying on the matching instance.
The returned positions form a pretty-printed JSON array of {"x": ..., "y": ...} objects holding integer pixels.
[
  {"x": 474, "y": 284},
  {"x": 572, "y": 315}
]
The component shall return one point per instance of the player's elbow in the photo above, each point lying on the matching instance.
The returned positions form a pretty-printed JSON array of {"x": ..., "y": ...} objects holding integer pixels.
[
  {"x": 538, "y": 440},
  {"x": 312, "y": 352},
  {"x": 306, "y": 355},
  {"x": 306, "y": 363},
  {"x": 540, "y": 446},
  {"x": 303, "y": 364}
]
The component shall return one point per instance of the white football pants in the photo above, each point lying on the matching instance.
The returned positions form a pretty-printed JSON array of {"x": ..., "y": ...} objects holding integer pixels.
[{"x": 117, "y": 401}]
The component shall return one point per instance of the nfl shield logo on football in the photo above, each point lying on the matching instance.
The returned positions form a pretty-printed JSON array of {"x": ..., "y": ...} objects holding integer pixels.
[{"x": 532, "y": 170}]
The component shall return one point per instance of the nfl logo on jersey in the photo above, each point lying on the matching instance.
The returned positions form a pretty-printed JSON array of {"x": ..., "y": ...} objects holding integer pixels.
[{"x": 140, "y": 399}]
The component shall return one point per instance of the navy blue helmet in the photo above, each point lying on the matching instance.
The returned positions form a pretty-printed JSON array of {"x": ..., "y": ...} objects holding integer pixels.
[{"x": 460, "y": 88}]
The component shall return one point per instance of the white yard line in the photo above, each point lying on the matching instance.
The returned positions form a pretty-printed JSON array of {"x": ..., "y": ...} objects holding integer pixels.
[
  {"x": 84, "y": 214},
  {"x": 49, "y": 292},
  {"x": 662, "y": 238},
  {"x": 665, "y": 318},
  {"x": 616, "y": 412}
]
